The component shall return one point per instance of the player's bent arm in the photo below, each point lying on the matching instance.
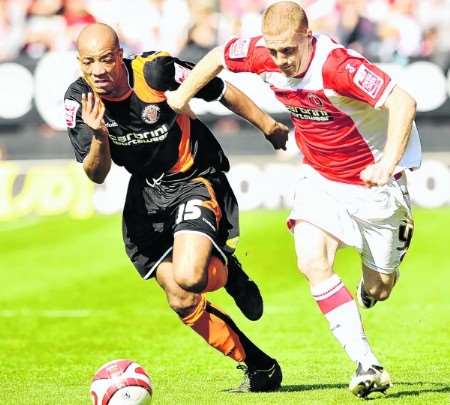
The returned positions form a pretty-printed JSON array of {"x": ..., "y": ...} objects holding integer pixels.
[
  {"x": 97, "y": 162},
  {"x": 402, "y": 110},
  {"x": 204, "y": 71}
]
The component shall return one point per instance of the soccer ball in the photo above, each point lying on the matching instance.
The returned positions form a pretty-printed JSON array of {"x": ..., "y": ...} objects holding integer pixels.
[{"x": 121, "y": 382}]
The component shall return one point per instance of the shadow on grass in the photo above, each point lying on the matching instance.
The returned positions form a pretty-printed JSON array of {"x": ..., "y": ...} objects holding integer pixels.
[
  {"x": 428, "y": 388},
  {"x": 301, "y": 387},
  {"x": 310, "y": 387}
]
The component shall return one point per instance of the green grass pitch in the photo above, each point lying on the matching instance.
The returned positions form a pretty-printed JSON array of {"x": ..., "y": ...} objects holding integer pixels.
[{"x": 70, "y": 301}]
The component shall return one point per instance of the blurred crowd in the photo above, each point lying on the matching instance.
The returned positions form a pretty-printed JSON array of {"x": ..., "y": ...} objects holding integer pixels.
[{"x": 383, "y": 30}]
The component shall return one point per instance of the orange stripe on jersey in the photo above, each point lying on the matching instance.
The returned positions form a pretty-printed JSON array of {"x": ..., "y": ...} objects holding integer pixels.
[
  {"x": 185, "y": 158},
  {"x": 146, "y": 93},
  {"x": 212, "y": 203}
]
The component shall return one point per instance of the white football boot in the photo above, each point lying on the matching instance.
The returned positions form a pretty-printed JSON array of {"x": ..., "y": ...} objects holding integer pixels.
[{"x": 374, "y": 379}]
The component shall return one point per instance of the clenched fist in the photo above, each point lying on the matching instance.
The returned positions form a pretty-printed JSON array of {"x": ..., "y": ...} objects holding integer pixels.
[{"x": 277, "y": 135}]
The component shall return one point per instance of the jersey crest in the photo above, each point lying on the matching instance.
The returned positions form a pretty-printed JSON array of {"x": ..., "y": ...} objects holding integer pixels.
[{"x": 150, "y": 114}]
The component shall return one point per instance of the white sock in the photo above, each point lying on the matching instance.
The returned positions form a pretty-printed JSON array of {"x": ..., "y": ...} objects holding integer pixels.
[{"x": 339, "y": 307}]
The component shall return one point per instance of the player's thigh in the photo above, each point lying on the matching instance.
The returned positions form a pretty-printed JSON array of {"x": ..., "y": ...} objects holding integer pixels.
[
  {"x": 386, "y": 242},
  {"x": 197, "y": 221},
  {"x": 315, "y": 248},
  {"x": 191, "y": 254}
]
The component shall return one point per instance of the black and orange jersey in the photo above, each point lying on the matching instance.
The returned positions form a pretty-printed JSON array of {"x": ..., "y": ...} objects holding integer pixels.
[{"x": 145, "y": 135}]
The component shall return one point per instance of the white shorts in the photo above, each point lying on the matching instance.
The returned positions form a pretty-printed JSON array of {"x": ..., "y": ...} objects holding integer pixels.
[{"x": 377, "y": 221}]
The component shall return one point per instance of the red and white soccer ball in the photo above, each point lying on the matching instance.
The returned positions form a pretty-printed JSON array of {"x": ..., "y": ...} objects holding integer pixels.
[{"x": 121, "y": 382}]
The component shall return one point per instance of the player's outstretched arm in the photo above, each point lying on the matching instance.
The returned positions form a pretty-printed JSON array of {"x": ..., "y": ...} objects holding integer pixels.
[
  {"x": 204, "y": 71},
  {"x": 238, "y": 102},
  {"x": 97, "y": 162},
  {"x": 402, "y": 110}
]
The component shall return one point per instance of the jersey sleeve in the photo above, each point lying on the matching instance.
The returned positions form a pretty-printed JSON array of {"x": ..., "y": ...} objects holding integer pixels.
[
  {"x": 239, "y": 54},
  {"x": 167, "y": 73},
  {"x": 351, "y": 75},
  {"x": 80, "y": 134}
]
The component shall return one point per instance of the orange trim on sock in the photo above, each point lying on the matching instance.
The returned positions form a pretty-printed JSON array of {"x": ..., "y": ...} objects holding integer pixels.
[
  {"x": 192, "y": 318},
  {"x": 215, "y": 331},
  {"x": 217, "y": 274}
]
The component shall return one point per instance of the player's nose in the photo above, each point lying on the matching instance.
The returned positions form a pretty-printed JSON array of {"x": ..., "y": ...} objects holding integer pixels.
[
  {"x": 98, "y": 69},
  {"x": 280, "y": 60}
]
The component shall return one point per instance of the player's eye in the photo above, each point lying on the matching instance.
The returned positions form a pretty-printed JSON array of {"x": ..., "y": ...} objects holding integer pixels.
[
  {"x": 288, "y": 51},
  {"x": 87, "y": 62}
]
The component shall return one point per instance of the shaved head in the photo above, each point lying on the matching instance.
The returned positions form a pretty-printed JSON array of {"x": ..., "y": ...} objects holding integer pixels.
[
  {"x": 95, "y": 37},
  {"x": 284, "y": 16},
  {"x": 100, "y": 58},
  {"x": 287, "y": 37}
]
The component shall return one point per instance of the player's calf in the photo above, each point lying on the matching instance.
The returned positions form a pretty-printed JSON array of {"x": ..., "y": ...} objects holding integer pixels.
[{"x": 368, "y": 296}]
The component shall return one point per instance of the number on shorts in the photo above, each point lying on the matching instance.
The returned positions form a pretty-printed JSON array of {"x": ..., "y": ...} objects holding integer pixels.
[
  {"x": 405, "y": 233},
  {"x": 189, "y": 211}
]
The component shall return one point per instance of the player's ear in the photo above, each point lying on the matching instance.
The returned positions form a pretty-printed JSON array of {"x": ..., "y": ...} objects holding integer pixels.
[{"x": 120, "y": 53}]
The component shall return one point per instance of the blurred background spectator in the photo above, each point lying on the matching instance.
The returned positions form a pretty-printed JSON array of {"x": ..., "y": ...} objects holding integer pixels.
[
  {"x": 202, "y": 35},
  {"x": 12, "y": 28},
  {"x": 45, "y": 28},
  {"x": 383, "y": 30}
]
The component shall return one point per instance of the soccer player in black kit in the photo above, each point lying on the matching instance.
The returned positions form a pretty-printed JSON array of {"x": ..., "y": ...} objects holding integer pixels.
[{"x": 180, "y": 220}]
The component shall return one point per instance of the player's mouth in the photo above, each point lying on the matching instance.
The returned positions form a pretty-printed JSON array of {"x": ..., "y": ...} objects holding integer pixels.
[
  {"x": 102, "y": 82},
  {"x": 288, "y": 70}
]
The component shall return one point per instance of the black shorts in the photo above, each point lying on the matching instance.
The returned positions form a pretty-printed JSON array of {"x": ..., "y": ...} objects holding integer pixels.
[{"x": 153, "y": 214}]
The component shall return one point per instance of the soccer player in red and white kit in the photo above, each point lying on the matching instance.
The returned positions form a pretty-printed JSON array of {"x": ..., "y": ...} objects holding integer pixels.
[{"x": 355, "y": 128}]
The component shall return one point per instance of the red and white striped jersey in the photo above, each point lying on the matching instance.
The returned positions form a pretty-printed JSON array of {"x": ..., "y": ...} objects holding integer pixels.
[{"x": 335, "y": 106}]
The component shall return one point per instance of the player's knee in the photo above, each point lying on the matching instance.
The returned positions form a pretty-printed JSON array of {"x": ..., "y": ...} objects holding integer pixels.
[
  {"x": 183, "y": 306},
  {"x": 312, "y": 265},
  {"x": 194, "y": 281}
]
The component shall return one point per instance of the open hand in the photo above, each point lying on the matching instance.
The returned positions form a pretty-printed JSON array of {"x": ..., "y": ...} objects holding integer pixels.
[{"x": 92, "y": 111}]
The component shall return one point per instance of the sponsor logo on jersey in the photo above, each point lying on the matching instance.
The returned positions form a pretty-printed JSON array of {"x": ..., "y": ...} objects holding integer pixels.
[
  {"x": 111, "y": 124},
  {"x": 150, "y": 114},
  {"x": 71, "y": 107},
  {"x": 368, "y": 81},
  {"x": 157, "y": 135},
  {"x": 310, "y": 114},
  {"x": 239, "y": 49},
  {"x": 315, "y": 100}
]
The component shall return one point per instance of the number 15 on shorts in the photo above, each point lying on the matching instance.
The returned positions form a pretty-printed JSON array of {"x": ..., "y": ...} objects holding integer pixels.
[{"x": 189, "y": 211}]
